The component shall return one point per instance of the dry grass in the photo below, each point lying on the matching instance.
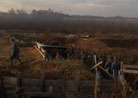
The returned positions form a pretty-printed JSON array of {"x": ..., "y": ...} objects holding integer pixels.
[{"x": 33, "y": 63}]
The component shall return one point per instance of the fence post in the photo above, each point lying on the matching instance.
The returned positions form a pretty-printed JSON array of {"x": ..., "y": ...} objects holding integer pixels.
[
  {"x": 97, "y": 80},
  {"x": 122, "y": 80},
  {"x": 121, "y": 65},
  {"x": 2, "y": 91},
  {"x": 42, "y": 82}
]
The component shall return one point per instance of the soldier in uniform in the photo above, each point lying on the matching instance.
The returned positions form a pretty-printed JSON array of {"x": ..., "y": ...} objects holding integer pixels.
[
  {"x": 83, "y": 57},
  {"x": 59, "y": 56},
  {"x": 115, "y": 68},
  {"x": 15, "y": 51},
  {"x": 108, "y": 64}
]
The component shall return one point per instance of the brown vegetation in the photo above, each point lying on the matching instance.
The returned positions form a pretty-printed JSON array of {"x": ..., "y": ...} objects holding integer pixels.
[{"x": 33, "y": 63}]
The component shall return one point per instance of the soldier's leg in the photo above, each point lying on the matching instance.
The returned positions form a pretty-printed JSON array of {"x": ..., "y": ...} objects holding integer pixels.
[
  {"x": 84, "y": 60},
  {"x": 19, "y": 60},
  {"x": 11, "y": 59}
]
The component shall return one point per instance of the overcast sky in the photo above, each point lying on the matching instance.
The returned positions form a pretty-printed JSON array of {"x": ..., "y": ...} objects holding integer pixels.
[{"x": 127, "y": 8}]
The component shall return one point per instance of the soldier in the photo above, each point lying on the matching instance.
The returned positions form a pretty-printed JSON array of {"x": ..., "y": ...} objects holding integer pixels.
[
  {"x": 99, "y": 58},
  {"x": 115, "y": 68},
  {"x": 83, "y": 57},
  {"x": 48, "y": 56},
  {"x": 69, "y": 55},
  {"x": 15, "y": 51},
  {"x": 108, "y": 64},
  {"x": 59, "y": 56}
]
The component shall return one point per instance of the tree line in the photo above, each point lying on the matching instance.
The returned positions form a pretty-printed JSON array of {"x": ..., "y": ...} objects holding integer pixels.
[{"x": 51, "y": 21}]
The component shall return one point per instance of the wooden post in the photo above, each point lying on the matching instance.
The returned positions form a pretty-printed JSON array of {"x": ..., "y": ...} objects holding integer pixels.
[
  {"x": 97, "y": 80},
  {"x": 121, "y": 65},
  {"x": 63, "y": 82},
  {"x": 2, "y": 91},
  {"x": 121, "y": 76},
  {"x": 19, "y": 79},
  {"x": 123, "y": 81},
  {"x": 42, "y": 82}
]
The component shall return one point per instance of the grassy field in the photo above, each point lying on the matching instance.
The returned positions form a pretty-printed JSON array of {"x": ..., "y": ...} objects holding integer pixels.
[
  {"x": 34, "y": 64},
  {"x": 125, "y": 47}
]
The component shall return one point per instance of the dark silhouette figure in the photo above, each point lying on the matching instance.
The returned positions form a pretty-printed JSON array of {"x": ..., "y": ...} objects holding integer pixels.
[{"x": 15, "y": 51}]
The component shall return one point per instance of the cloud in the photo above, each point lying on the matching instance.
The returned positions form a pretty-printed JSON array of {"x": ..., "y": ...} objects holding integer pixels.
[{"x": 84, "y": 5}]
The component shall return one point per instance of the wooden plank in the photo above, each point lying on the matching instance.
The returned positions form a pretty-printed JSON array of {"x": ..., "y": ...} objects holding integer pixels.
[
  {"x": 39, "y": 45},
  {"x": 122, "y": 79},
  {"x": 10, "y": 92},
  {"x": 48, "y": 46},
  {"x": 31, "y": 89},
  {"x": 131, "y": 67},
  {"x": 54, "y": 47},
  {"x": 130, "y": 71},
  {"x": 56, "y": 84},
  {"x": 85, "y": 36},
  {"x": 97, "y": 88},
  {"x": 11, "y": 80},
  {"x": 121, "y": 76},
  {"x": 40, "y": 52},
  {"x": 102, "y": 70},
  {"x": 31, "y": 83},
  {"x": 87, "y": 82},
  {"x": 95, "y": 66},
  {"x": 38, "y": 94},
  {"x": 37, "y": 82},
  {"x": 70, "y": 85},
  {"x": 9, "y": 86}
]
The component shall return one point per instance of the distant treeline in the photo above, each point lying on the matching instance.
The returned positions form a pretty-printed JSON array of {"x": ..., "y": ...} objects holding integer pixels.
[{"x": 50, "y": 21}]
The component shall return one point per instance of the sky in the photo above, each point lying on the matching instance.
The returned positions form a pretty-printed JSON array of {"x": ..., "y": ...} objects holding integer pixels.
[{"x": 126, "y": 8}]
